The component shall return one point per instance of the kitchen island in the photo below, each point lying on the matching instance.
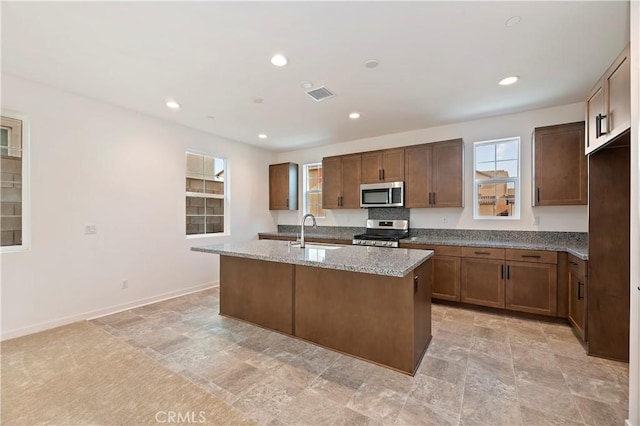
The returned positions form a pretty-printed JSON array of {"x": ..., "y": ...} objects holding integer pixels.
[{"x": 370, "y": 302}]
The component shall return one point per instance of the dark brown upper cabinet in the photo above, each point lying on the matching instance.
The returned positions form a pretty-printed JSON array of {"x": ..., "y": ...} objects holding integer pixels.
[
  {"x": 383, "y": 166},
  {"x": 434, "y": 174},
  {"x": 283, "y": 186},
  {"x": 341, "y": 181},
  {"x": 608, "y": 109},
  {"x": 559, "y": 165}
]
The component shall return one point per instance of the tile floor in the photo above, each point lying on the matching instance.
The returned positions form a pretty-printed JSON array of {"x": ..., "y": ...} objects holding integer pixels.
[{"x": 480, "y": 369}]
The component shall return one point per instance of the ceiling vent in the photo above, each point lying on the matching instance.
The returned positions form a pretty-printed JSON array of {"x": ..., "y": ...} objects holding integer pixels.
[{"x": 320, "y": 94}]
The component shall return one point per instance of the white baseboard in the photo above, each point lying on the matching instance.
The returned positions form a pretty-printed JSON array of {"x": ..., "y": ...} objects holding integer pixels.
[{"x": 102, "y": 312}]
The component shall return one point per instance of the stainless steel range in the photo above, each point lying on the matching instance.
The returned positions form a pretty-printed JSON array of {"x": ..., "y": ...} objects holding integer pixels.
[{"x": 383, "y": 233}]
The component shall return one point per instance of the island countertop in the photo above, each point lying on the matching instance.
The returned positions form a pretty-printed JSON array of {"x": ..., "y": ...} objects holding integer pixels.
[{"x": 393, "y": 262}]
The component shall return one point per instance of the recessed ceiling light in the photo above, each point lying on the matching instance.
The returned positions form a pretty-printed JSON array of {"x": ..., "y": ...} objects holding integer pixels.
[
  {"x": 354, "y": 115},
  {"x": 514, "y": 20},
  {"x": 258, "y": 100},
  {"x": 371, "y": 63},
  {"x": 279, "y": 60},
  {"x": 211, "y": 117},
  {"x": 172, "y": 104},
  {"x": 262, "y": 136},
  {"x": 508, "y": 80},
  {"x": 306, "y": 85}
]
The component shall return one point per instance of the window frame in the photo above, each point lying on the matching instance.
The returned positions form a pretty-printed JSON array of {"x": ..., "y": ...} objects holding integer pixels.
[
  {"x": 26, "y": 183},
  {"x": 225, "y": 197},
  {"x": 515, "y": 180},
  {"x": 305, "y": 202}
]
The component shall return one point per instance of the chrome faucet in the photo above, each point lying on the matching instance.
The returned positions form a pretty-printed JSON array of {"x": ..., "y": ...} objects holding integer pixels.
[{"x": 315, "y": 225}]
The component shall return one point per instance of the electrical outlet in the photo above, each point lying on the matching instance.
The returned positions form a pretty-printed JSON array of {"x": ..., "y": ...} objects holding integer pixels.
[
  {"x": 536, "y": 220},
  {"x": 445, "y": 219},
  {"x": 90, "y": 229},
  {"x": 125, "y": 284}
]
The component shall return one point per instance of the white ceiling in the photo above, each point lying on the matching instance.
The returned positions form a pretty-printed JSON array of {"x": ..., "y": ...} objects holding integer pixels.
[{"x": 439, "y": 61}]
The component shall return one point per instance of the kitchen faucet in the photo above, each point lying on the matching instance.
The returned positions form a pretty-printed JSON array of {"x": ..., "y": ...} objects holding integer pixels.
[{"x": 315, "y": 225}]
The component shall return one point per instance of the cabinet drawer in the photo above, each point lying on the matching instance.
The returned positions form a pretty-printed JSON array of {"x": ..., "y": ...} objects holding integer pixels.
[
  {"x": 577, "y": 265},
  {"x": 447, "y": 250},
  {"x": 536, "y": 256},
  {"x": 483, "y": 252}
]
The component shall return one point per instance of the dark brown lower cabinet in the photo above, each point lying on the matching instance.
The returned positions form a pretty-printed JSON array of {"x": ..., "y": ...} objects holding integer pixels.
[
  {"x": 482, "y": 282},
  {"x": 446, "y": 278},
  {"x": 578, "y": 288},
  {"x": 531, "y": 287}
]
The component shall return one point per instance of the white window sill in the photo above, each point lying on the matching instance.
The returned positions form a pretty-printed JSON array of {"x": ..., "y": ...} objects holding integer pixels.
[{"x": 199, "y": 236}]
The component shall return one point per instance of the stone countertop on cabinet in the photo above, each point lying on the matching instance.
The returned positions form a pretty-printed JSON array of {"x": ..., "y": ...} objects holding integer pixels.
[
  {"x": 579, "y": 250},
  {"x": 368, "y": 260}
]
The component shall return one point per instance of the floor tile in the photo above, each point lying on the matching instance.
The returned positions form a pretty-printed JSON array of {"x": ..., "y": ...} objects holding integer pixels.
[
  {"x": 481, "y": 408},
  {"x": 452, "y": 371},
  {"x": 491, "y": 375},
  {"x": 417, "y": 413},
  {"x": 601, "y": 414},
  {"x": 438, "y": 394},
  {"x": 377, "y": 402},
  {"x": 551, "y": 401},
  {"x": 606, "y": 391},
  {"x": 482, "y": 367}
]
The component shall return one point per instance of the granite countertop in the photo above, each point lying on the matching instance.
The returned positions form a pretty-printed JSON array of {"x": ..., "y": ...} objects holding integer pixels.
[
  {"x": 369, "y": 260},
  {"x": 580, "y": 251},
  {"x": 577, "y": 249}
]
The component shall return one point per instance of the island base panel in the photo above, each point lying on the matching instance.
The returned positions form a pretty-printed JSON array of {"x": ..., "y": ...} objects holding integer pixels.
[
  {"x": 369, "y": 316},
  {"x": 257, "y": 291}
]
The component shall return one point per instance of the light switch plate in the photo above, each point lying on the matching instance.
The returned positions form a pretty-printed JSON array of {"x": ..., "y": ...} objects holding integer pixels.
[{"x": 90, "y": 229}]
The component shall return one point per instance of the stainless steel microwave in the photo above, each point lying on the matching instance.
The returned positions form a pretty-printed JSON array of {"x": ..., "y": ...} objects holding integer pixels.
[{"x": 387, "y": 194}]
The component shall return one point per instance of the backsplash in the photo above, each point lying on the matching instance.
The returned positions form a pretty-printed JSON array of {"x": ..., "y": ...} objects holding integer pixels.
[
  {"x": 388, "y": 213},
  {"x": 542, "y": 237}
]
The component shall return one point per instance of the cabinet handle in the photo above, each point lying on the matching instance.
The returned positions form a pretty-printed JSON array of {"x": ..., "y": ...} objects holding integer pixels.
[
  {"x": 486, "y": 253},
  {"x": 338, "y": 201},
  {"x": 535, "y": 256},
  {"x": 287, "y": 203},
  {"x": 433, "y": 199},
  {"x": 538, "y": 195},
  {"x": 341, "y": 201},
  {"x": 508, "y": 272},
  {"x": 429, "y": 198},
  {"x": 580, "y": 296},
  {"x": 382, "y": 174},
  {"x": 379, "y": 174},
  {"x": 415, "y": 284},
  {"x": 502, "y": 272},
  {"x": 599, "y": 119}
]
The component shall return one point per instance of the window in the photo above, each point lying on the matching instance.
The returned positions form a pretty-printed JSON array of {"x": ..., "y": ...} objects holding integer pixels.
[
  {"x": 312, "y": 187},
  {"x": 497, "y": 179},
  {"x": 13, "y": 188},
  {"x": 206, "y": 197}
]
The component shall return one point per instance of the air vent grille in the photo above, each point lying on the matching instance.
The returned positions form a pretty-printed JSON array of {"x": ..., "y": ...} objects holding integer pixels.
[{"x": 320, "y": 94}]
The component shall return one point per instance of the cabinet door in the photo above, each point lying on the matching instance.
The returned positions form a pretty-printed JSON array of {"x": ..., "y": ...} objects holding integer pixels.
[
  {"x": 283, "y": 186},
  {"x": 618, "y": 85},
  {"x": 418, "y": 176},
  {"x": 532, "y": 287},
  {"x": 482, "y": 282},
  {"x": 560, "y": 166},
  {"x": 372, "y": 167},
  {"x": 393, "y": 165},
  {"x": 578, "y": 302},
  {"x": 447, "y": 174},
  {"x": 594, "y": 108},
  {"x": 331, "y": 182},
  {"x": 351, "y": 175},
  {"x": 446, "y": 278}
]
